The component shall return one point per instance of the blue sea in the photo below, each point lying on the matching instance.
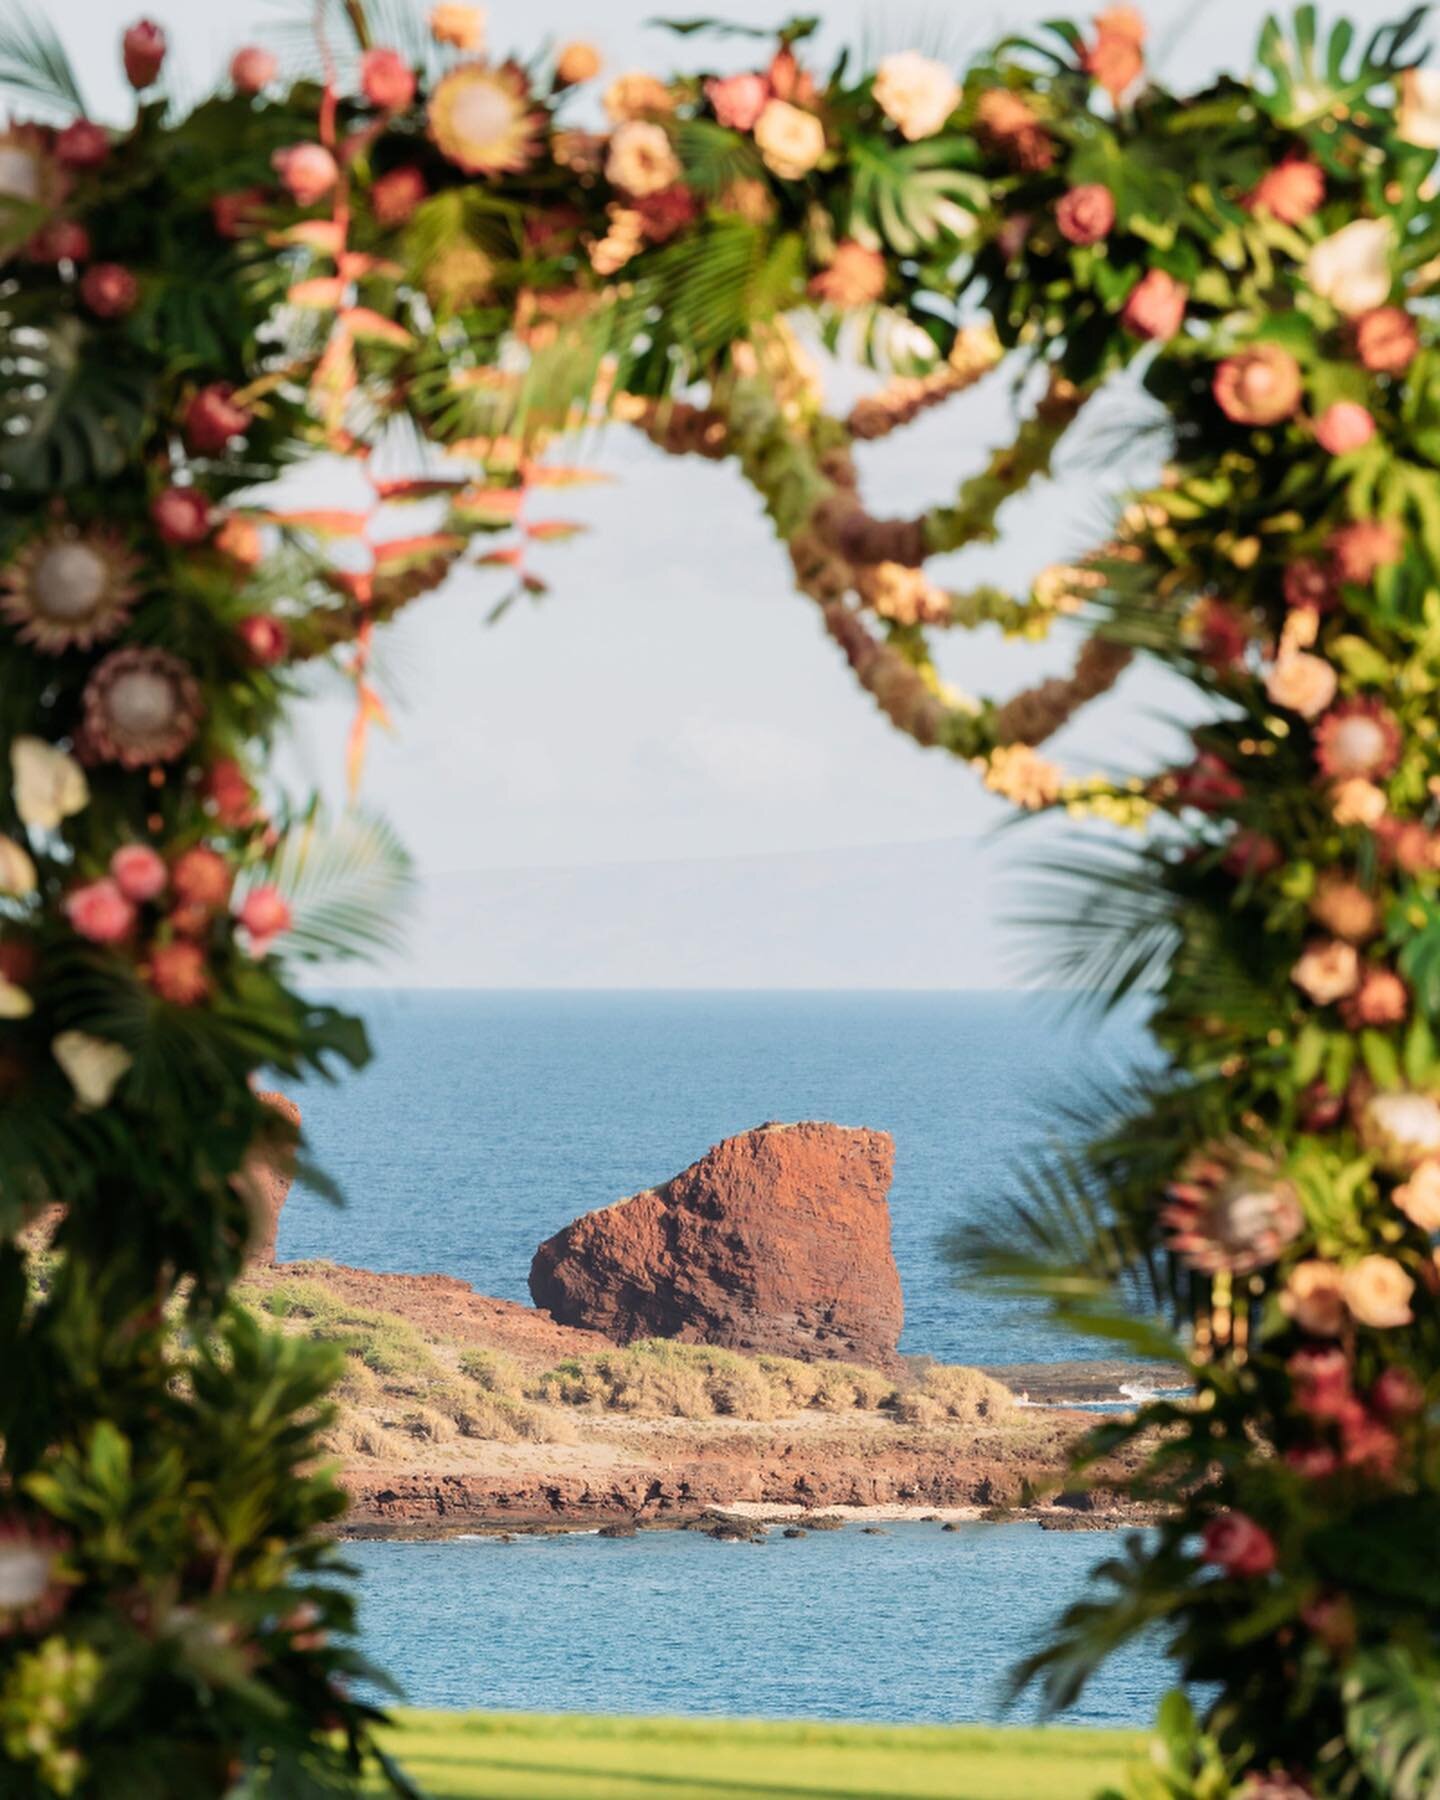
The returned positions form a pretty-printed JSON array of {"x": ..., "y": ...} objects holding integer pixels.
[{"x": 488, "y": 1121}]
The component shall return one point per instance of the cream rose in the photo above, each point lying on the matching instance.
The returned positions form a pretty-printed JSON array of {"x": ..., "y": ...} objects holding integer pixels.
[
  {"x": 641, "y": 159},
  {"x": 915, "y": 93},
  {"x": 1352, "y": 269},
  {"x": 17, "y": 870},
  {"x": 94, "y": 1066},
  {"x": 790, "y": 139},
  {"x": 1327, "y": 972},
  {"x": 1419, "y": 1197},
  {"x": 1356, "y": 801},
  {"x": 1314, "y": 1298},
  {"x": 49, "y": 785},
  {"x": 1378, "y": 1292},
  {"x": 1419, "y": 117},
  {"x": 1302, "y": 683}
]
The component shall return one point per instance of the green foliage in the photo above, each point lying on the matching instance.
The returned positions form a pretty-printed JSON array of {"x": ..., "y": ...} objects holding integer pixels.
[{"x": 1392, "y": 1721}]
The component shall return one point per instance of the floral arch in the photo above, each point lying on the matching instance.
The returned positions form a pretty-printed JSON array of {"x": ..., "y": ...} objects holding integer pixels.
[{"x": 414, "y": 247}]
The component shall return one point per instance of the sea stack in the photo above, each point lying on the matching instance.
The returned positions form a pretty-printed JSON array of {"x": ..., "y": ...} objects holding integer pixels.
[{"x": 777, "y": 1241}]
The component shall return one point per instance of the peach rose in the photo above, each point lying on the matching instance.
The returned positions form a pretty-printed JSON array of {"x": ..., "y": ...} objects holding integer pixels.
[
  {"x": 253, "y": 69},
  {"x": 1314, "y": 1298},
  {"x": 1378, "y": 1292},
  {"x": 1386, "y": 340},
  {"x": 1382, "y": 999},
  {"x": 915, "y": 93},
  {"x": 1086, "y": 215},
  {"x": 738, "y": 100},
  {"x": 1352, "y": 268},
  {"x": 1259, "y": 386},
  {"x": 1345, "y": 908},
  {"x": 641, "y": 159},
  {"x": 1327, "y": 972},
  {"x": 462, "y": 27},
  {"x": 1302, "y": 683},
  {"x": 1356, "y": 801},
  {"x": 1344, "y": 427},
  {"x": 139, "y": 872},
  {"x": 1156, "y": 307},
  {"x": 307, "y": 171},
  {"x": 100, "y": 912},
  {"x": 791, "y": 140},
  {"x": 1290, "y": 192},
  {"x": 1361, "y": 550},
  {"x": 856, "y": 276},
  {"x": 577, "y": 62},
  {"x": 1419, "y": 1197}
]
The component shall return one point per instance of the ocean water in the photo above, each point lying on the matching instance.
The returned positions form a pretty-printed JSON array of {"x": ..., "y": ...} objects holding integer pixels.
[
  {"x": 490, "y": 1120},
  {"x": 917, "y": 1626}
]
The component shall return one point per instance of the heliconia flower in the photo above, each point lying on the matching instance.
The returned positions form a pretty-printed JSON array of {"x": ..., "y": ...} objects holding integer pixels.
[
  {"x": 790, "y": 140},
  {"x": 387, "y": 80},
  {"x": 1314, "y": 1298},
  {"x": 1360, "y": 551},
  {"x": 1352, "y": 269},
  {"x": 32, "y": 1589},
  {"x": 1259, "y": 386},
  {"x": 48, "y": 785},
  {"x": 463, "y": 27},
  {"x": 110, "y": 290},
  {"x": 1386, "y": 340},
  {"x": 69, "y": 589},
  {"x": 1382, "y": 999},
  {"x": 1345, "y": 909},
  {"x": 1398, "y": 1394},
  {"x": 1234, "y": 1543},
  {"x": 142, "y": 706},
  {"x": 1301, "y": 683},
  {"x": 1418, "y": 120},
  {"x": 1419, "y": 1197},
  {"x": 178, "y": 973},
  {"x": 1328, "y": 971},
  {"x": 307, "y": 172},
  {"x": 139, "y": 872},
  {"x": 394, "y": 196},
  {"x": 1290, "y": 192},
  {"x": 1086, "y": 215},
  {"x": 577, "y": 62},
  {"x": 1400, "y": 1128},
  {"x": 93, "y": 1066},
  {"x": 1230, "y": 1209},
  {"x": 265, "y": 637},
  {"x": 1156, "y": 306},
  {"x": 483, "y": 120},
  {"x": 1358, "y": 737},
  {"x": 252, "y": 69},
  {"x": 229, "y": 794},
  {"x": 916, "y": 93},
  {"x": 82, "y": 145},
  {"x": 100, "y": 912},
  {"x": 1320, "y": 1382},
  {"x": 1006, "y": 123},
  {"x": 1378, "y": 1292},
  {"x": 738, "y": 100},
  {"x": 213, "y": 419},
  {"x": 1344, "y": 427},
  {"x": 18, "y": 877},
  {"x": 239, "y": 539},
  {"x": 202, "y": 877},
  {"x": 856, "y": 276},
  {"x": 1117, "y": 59},
  {"x": 182, "y": 515},
  {"x": 143, "y": 49},
  {"x": 641, "y": 158},
  {"x": 265, "y": 914}
]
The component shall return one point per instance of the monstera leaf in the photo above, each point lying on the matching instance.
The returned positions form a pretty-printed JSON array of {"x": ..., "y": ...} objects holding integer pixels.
[
  {"x": 1392, "y": 1721},
  {"x": 915, "y": 198},
  {"x": 66, "y": 418},
  {"x": 1314, "y": 81}
]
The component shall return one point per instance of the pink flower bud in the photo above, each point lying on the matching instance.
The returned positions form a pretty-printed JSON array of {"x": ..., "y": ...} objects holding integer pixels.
[
  {"x": 109, "y": 290},
  {"x": 1156, "y": 307},
  {"x": 99, "y": 911},
  {"x": 1086, "y": 215},
  {"x": 253, "y": 69},
  {"x": 1235, "y": 1543},
  {"x": 143, "y": 47},
  {"x": 306, "y": 171},
  {"x": 266, "y": 915},
  {"x": 265, "y": 638},
  {"x": 387, "y": 80},
  {"x": 1344, "y": 427},
  {"x": 212, "y": 419},
  {"x": 82, "y": 145},
  {"x": 181, "y": 515},
  {"x": 139, "y": 872},
  {"x": 62, "y": 240}
]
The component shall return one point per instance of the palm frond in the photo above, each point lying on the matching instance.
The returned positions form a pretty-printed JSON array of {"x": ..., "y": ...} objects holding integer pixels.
[
  {"x": 348, "y": 885},
  {"x": 35, "y": 64},
  {"x": 1392, "y": 1721}
]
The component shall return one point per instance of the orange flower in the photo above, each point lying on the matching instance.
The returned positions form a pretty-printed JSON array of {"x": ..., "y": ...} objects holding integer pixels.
[
  {"x": 1259, "y": 386},
  {"x": 461, "y": 26},
  {"x": 855, "y": 277},
  {"x": 1116, "y": 59},
  {"x": 1290, "y": 192}
]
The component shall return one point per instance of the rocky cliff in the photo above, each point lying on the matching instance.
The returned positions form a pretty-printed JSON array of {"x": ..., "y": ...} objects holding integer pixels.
[{"x": 775, "y": 1241}]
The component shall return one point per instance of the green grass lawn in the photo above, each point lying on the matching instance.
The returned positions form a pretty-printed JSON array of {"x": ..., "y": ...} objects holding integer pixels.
[{"x": 459, "y": 1756}]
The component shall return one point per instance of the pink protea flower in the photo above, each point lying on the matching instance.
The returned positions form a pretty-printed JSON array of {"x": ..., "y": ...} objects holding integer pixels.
[
  {"x": 141, "y": 706},
  {"x": 395, "y": 196},
  {"x": 1234, "y": 1543},
  {"x": 1360, "y": 551},
  {"x": 307, "y": 172},
  {"x": 1358, "y": 737},
  {"x": 143, "y": 48},
  {"x": 212, "y": 419},
  {"x": 1344, "y": 427},
  {"x": 181, "y": 515},
  {"x": 139, "y": 872},
  {"x": 1290, "y": 192},
  {"x": 265, "y": 638},
  {"x": 1230, "y": 1209},
  {"x": 1320, "y": 1382},
  {"x": 32, "y": 1590},
  {"x": 109, "y": 290},
  {"x": 1259, "y": 386},
  {"x": 738, "y": 100},
  {"x": 1386, "y": 340},
  {"x": 100, "y": 912},
  {"x": 252, "y": 69},
  {"x": 265, "y": 915},
  {"x": 202, "y": 877},
  {"x": 1086, "y": 215},
  {"x": 82, "y": 145},
  {"x": 387, "y": 80},
  {"x": 177, "y": 973},
  {"x": 1156, "y": 307}
]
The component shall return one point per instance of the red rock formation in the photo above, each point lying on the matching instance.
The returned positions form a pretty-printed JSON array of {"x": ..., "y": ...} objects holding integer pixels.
[
  {"x": 269, "y": 1174},
  {"x": 777, "y": 1240}
]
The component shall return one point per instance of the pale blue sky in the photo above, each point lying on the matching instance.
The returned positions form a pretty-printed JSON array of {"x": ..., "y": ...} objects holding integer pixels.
[{"x": 673, "y": 699}]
